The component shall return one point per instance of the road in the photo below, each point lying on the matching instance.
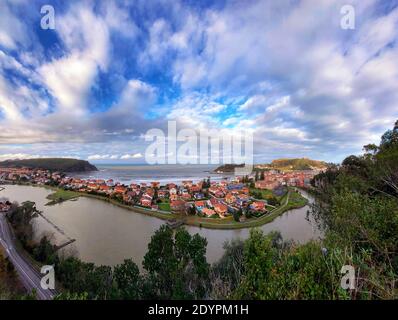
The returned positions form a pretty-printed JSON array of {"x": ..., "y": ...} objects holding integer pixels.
[{"x": 29, "y": 276}]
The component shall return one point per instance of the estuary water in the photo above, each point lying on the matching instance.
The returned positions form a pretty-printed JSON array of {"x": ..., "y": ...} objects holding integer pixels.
[{"x": 107, "y": 234}]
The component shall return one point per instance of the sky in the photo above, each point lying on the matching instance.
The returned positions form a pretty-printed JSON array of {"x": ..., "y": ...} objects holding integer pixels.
[{"x": 284, "y": 71}]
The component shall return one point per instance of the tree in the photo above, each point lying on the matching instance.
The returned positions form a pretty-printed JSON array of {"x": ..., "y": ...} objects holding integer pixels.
[
  {"x": 237, "y": 214},
  {"x": 45, "y": 251},
  {"x": 128, "y": 281},
  {"x": 262, "y": 175},
  {"x": 176, "y": 265},
  {"x": 390, "y": 138},
  {"x": 227, "y": 272}
]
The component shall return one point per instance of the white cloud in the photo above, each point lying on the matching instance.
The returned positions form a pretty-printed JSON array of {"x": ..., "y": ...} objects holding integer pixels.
[
  {"x": 17, "y": 156},
  {"x": 103, "y": 157},
  {"x": 131, "y": 156}
]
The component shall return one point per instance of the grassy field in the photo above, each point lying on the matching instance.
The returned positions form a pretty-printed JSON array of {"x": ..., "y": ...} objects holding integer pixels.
[
  {"x": 165, "y": 206},
  {"x": 264, "y": 192},
  {"x": 61, "y": 195},
  {"x": 297, "y": 200}
]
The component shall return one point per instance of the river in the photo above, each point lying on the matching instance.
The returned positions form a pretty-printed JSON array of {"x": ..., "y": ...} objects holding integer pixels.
[{"x": 107, "y": 234}]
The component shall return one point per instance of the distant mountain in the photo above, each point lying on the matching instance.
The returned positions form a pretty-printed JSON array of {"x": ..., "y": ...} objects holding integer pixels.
[
  {"x": 53, "y": 164},
  {"x": 284, "y": 164}
]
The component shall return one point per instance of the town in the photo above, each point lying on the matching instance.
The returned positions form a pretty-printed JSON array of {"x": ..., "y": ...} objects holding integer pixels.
[{"x": 239, "y": 197}]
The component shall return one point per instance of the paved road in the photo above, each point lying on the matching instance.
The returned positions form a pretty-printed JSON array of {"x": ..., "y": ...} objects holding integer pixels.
[{"x": 29, "y": 276}]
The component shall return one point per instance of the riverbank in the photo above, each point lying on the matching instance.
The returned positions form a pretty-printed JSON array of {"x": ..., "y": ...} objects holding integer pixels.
[{"x": 290, "y": 201}]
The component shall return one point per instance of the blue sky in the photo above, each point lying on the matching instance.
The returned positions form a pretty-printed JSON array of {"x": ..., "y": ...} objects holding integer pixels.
[{"x": 111, "y": 70}]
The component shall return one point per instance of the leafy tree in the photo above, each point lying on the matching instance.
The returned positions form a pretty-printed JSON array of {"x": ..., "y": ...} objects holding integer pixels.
[
  {"x": 237, "y": 214},
  {"x": 128, "y": 281},
  {"x": 176, "y": 265},
  {"x": 45, "y": 251}
]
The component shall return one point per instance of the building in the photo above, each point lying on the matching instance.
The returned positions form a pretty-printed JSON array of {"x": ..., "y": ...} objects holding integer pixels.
[
  {"x": 221, "y": 209},
  {"x": 208, "y": 212},
  {"x": 177, "y": 205}
]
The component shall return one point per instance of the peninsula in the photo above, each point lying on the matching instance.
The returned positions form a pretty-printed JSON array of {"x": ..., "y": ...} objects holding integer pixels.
[{"x": 52, "y": 164}]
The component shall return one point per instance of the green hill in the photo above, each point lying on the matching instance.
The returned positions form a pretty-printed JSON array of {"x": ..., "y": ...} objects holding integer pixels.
[
  {"x": 297, "y": 164},
  {"x": 53, "y": 164}
]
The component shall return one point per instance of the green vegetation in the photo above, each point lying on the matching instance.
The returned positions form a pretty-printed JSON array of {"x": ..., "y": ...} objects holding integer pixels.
[
  {"x": 164, "y": 205},
  {"x": 61, "y": 195},
  {"x": 274, "y": 269},
  {"x": 296, "y": 200},
  {"x": 10, "y": 287},
  {"x": 53, "y": 164},
  {"x": 266, "y": 194},
  {"x": 228, "y": 168},
  {"x": 297, "y": 164}
]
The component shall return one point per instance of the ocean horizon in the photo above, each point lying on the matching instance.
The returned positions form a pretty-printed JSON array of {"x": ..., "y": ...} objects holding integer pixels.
[{"x": 165, "y": 173}]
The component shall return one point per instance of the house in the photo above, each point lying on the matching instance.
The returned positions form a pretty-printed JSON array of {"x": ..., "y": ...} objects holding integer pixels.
[
  {"x": 104, "y": 189},
  {"x": 120, "y": 189},
  {"x": 155, "y": 184},
  {"x": 221, "y": 209},
  {"x": 213, "y": 202},
  {"x": 146, "y": 201},
  {"x": 237, "y": 186},
  {"x": 173, "y": 197},
  {"x": 5, "y": 206},
  {"x": 171, "y": 186},
  {"x": 208, "y": 212},
  {"x": 162, "y": 194},
  {"x": 229, "y": 198},
  {"x": 219, "y": 194},
  {"x": 198, "y": 196},
  {"x": 195, "y": 188},
  {"x": 92, "y": 186},
  {"x": 187, "y": 183},
  {"x": 200, "y": 205},
  {"x": 177, "y": 205},
  {"x": 266, "y": 184},
  {"x": 258, "y": 206},
  {"x": 186, "y": 196}
]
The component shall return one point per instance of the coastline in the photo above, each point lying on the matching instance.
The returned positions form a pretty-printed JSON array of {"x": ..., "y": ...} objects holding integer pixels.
[{"x": 201, "y": 222}]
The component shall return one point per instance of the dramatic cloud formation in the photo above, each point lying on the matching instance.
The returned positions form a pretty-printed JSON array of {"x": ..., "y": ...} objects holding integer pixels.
[{"x": 111, "y": 70}]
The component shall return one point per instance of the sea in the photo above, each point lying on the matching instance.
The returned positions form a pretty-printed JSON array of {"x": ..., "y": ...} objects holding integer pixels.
[{"x": 128, "y": 173}]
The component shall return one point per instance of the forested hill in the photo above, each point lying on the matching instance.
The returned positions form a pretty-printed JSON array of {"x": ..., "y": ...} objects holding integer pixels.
[
  {"x": 297, "y": 164},
  {"x": 53, "y": 164}
]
